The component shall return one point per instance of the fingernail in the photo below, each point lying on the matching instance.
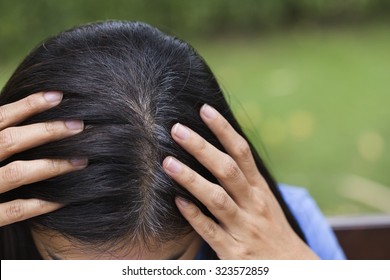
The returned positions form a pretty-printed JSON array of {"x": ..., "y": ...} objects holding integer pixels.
[
  {"x": 182, "y": 201},
  {"x": 173, "y": 165},
  {"x": 53, "y": 96},
  {"x": 79, "y": 162},
  {"x": 74, "y": 124},
  {"x": 209, "y": 112},
  {"x": 181, "y": 131}
]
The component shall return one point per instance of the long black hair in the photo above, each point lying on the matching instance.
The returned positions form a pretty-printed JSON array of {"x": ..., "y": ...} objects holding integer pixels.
[{"x": 129, "y": 83}]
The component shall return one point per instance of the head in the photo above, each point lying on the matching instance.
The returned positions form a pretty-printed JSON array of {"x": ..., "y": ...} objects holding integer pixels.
[{"x": 129, "y": 83}]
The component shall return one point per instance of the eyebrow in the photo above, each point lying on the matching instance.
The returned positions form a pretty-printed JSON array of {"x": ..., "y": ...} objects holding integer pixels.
[{"x": 55, "y": 257}]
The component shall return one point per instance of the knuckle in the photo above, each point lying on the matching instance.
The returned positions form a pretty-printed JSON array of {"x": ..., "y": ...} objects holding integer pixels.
[
  {"x": 262, "y": 207},
  {"x": 53, "y": 166},
  {"x": 225, "y": 125},
  {"x": 195, "y": 213},
  {"x": 242, "y": 149},
  {"x": 220, "y": 200},
  {"x": 209, "y": 229},
  {"x": 253, "y": 228},
  {"x": 3, "y": 116},
  {"x": 39, "y": 204},
  {"x": 13, "y": 173},
  {"x": 31, "y": 103},
  {"x": 7, "y": 140},
  {"x": 230, "y": 170},
  {"x": 191, "y": 178},
  {"x": 202, "y": 145},
  {"x": 50, "y": 127},
  {"x": 15, "y": 211},
  {"x": 245, "y": 253}
]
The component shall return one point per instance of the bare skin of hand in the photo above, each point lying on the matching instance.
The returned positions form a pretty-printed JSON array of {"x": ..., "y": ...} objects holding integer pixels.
[
  {"x": 14, "y": 139},
  {"x": 251, "y": 222}
]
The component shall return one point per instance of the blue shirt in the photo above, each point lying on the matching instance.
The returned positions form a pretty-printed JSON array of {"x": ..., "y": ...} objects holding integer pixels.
[{"x": 319, "y": 235}]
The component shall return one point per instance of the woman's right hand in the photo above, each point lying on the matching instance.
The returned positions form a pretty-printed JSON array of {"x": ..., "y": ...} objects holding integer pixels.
[{"x": 15, "y": 139}]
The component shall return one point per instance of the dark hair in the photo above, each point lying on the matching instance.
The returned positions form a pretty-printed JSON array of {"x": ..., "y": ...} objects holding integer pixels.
[{"x": 129, "y": 83}]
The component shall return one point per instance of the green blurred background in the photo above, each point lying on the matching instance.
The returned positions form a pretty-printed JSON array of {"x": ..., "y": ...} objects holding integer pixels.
[{"x": 308, "y": 79}]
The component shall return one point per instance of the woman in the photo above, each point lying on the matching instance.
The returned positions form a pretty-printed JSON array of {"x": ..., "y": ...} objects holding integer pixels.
[{"x": 170, "y": 173}]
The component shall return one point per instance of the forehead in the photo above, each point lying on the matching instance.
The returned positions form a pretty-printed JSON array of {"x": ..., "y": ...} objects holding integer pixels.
[{"x": 53, "y": 245}]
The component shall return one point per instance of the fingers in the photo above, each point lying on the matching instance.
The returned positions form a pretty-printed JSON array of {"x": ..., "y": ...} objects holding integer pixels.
[
  {"x": 221, "y": 165},
  {"x": 14, "y": 113},
  {"x": 210, "y": 231},
  {"x": 22, "y": 209},
  {"x": 19, "y": 173},
  {"x": 214, "y": 197},
  {"x": 17, "y": 139},
  {"x": 237, "y": 147}
]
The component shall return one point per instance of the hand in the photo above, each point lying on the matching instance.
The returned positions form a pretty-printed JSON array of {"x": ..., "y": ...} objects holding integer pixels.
[
  {"x": 251, "y": 222},
  {"x": 14, "y": 139}
]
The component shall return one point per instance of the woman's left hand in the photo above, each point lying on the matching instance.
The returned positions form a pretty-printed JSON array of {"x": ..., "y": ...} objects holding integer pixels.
[{"x": 251, "y": 222}]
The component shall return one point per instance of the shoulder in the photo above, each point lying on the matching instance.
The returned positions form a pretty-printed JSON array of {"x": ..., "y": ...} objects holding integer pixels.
[{"x": 320, "y": 237}]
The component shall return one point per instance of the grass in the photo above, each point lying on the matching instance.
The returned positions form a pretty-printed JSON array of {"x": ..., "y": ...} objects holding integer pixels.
[{"x": 316, "y": 104}]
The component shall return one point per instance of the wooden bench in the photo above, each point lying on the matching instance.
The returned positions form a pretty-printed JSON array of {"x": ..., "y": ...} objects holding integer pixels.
[{"x": 363, "y": 237}]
